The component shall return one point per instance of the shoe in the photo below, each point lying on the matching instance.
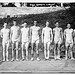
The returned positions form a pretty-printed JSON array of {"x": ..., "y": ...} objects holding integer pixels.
[
  {"x": 66, "y": 58},
  {"x": 3, "y": 60},
  {"x": 22, "y": 59},
  {"x": 72, "y": 58},
  {"x": 32, "y": 59},
  {"x": 55, "y": 58},
  {"x": 26, "y": 58},
  {"x": 17, "y": 59},
  {"x": 7, "y": 60},
  {"x": 38, "y": 59},
  {"x": 12, "y": 59}
]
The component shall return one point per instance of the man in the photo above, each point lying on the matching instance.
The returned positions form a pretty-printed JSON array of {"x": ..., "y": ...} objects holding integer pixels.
[
  {"x": 58, "y": 38},
  {"x": 68, "y": 36},
  {"x": 15, "y": 37},
  {"x": 5, "y": 34},
  {"x": 34, "y": 34},
  {"x": 47, "y": 38},
  {"x": 25, "y": 39}
]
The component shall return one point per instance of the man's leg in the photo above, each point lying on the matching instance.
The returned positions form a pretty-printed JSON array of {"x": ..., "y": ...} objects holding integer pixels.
[
  {"x": 37, "y": 49},
  {"x": 7, "y": 48},
  {"x": 12, "y": 52},
  {"x": 58, "y": 51},
  {"x": 3, "y": 44},
  {"x": 45, "y": 51},
  {"x": 48, "y": 52},
  {"x": 17, "y": 50},
  {"x": 66, "y": 53},
  {"x": 55, "y": 52},
  {"x": 26, "y": 46},
  {"x": 22, "y": 51},
  {"x": 32, "y": 52},
  {"x": 71, "y": 53}
]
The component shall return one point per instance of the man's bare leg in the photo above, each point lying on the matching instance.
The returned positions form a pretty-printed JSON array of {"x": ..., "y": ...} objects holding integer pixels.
[
  {"x": 45, "y": 50},
  {"x": 7, "y": 48},
  {"x": 58, "y": 48},
  {"x": 71, "y": 53},
  {"x": 55, "y": 57},
  {"x": 26, "y": 46},
  {"x": 3, "y": 52},
  {"x": 17, "y": 51},
  {"x": 12, "y": 52},
  {"x": 32, "y": 52},
  {"x": 37, "y": 51},
  {"x": 22, "y": 51},
  {"x": 66, "y": 53},
  {"x": 48, "y": 52}
]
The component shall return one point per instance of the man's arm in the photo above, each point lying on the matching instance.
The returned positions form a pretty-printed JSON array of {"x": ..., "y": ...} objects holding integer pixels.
[
  {"x": 42, "y": 36},
  {"x": 73, "y": 35},
  {"x": 11, "y": 32},
  {"x": 30, "y": 34},
  {"x": 1, "y": 34},
  {"x": 64, "y": 34},
  {"x": 51, "y": 35},
  {"x": 61, "y": 34},
  {"x": 20, "y": 35}
]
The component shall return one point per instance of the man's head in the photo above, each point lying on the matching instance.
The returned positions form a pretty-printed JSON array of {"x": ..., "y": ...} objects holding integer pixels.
[
  {"x": 35, "y": 23},
  {"x": 25, "y": 24},
  {"x": 68, "y": 26},
  {"x": 47, "y": 23},
  {"x": 57, "y": 24},
  {"x": 14, "y": 22},
  {"x": 5, "y": 25}
]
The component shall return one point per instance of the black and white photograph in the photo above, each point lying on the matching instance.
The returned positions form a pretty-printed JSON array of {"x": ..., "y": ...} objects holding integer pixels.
[{"x": 37, "y": 37}]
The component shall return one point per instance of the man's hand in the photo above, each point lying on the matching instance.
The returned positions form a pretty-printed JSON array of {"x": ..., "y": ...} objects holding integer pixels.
[{"x": 42, "y": 41}]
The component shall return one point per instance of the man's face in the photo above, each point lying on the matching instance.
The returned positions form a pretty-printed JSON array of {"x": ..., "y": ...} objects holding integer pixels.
[
  {"x": 14, "y": 22},
  {"x": 68, "y": 26},
  {"x": 35, "y": 22},
  {"x": 57, "y": 24},
  {"x": 5, "y": 25},
  {"x": 25, "y": 24},
  {"x": 47, "y": 24}
]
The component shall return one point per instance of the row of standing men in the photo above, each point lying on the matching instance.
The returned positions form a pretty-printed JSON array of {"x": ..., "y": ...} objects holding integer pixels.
[{"x": 27, "y": 35}]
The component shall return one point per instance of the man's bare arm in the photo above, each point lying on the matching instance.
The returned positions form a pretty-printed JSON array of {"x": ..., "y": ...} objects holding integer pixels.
[{"x": 42, "y": 36}]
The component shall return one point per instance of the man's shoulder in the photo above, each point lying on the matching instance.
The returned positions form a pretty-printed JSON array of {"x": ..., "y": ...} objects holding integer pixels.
[
  {"x": 38, "y": 27},
  {"x": 12, "y": 27},
  {"x": 54, "y": 28},
  {"x": 60, "y": 28},
  {"x": 31, "y": 27},
  {"x": 71, "y": 29},
  {"x": 2, "y": 29},
  {"x": 50, "y": 28},
  {"x": 65, "y": 29}
]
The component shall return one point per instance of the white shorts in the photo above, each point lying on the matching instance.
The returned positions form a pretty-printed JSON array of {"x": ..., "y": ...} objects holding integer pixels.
[
  {"x": 57, "y": 40},
  {"x": 5, "y": 42},
  {"x": 15, "y": 40},
  {"x": 69, "y": 43},
  {"x": 35, "y": 41},
  {"x": 47, "y": 40}
]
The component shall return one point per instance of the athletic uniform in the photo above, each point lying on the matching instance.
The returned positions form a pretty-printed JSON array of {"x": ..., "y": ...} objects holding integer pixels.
[
  {"x": 69, "y": 38},
  {"x": 6, "y": 35},
  {"x": 35, "y": 36},
  {"x": 47, "y": 31},
  {"x": 5, "y": 42},
  {"x": 15, "y": 34},
  {"x": 57, "y": 35},
  {"x": 25, "y": 35}
]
